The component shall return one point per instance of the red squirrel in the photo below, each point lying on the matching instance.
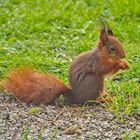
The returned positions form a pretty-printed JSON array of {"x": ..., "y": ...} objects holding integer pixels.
[{"x": 86, "y": 75}]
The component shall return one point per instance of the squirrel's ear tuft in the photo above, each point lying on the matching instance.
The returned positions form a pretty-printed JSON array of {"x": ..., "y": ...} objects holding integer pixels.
[
  {"x": 110, "y": 33},
  {"x": 106, "y": 27},
  {"x": 105, "y": 32},
  {"x": 103, "y": 36}
]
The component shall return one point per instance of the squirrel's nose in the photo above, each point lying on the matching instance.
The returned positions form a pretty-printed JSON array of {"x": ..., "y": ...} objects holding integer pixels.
[{"x": 123, "y": 55}]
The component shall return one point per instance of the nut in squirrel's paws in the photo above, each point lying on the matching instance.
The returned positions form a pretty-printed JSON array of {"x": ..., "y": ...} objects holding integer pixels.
[{"x": 123, "y": 64}]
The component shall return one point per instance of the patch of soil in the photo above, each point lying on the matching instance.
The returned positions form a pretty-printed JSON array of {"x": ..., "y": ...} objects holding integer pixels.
[{"x": 67, "y": 123}]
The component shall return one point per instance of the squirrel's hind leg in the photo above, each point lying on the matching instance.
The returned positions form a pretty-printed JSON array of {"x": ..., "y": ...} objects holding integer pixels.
[
  {"x": 103, "y": 94},
  {"x": 103, "y": 98}
]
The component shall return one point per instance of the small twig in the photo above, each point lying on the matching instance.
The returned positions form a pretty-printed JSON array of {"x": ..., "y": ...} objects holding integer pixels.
[
  {"x": 21, "y": 102},
  {"x": 58, "y": 116},
  {"x": 39, "y": 116}
]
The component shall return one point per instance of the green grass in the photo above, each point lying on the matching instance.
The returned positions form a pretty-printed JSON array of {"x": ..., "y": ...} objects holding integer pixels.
[
  {"x": 48, "y": 34},
  {"x": 131, "y": 135},
  {"x": 34, "y": 110}
]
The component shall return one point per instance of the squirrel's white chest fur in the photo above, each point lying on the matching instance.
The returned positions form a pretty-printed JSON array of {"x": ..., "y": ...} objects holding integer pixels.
[{"x": 111, "y": 74}]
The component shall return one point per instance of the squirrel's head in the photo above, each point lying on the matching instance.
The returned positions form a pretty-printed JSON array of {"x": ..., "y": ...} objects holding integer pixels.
[{"x": 110, "y": 45}]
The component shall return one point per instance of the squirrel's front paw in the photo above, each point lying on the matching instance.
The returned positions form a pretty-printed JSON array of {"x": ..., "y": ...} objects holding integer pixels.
[{"x": 123, "y": 64}]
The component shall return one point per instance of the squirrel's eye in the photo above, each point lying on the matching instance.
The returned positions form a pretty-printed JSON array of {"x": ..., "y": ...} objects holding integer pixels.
[{"x": 112, "y": 48}]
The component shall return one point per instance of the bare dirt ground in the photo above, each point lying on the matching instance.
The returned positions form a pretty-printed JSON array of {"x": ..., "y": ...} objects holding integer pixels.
[{"x": 62, "y": 123}]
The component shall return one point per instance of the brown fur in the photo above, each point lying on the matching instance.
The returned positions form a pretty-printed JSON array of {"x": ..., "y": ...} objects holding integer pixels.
[
  {"x": 86, "y": 75},
  {"x": 32, "y": 87},
  {"x": 88, "y": 70}
]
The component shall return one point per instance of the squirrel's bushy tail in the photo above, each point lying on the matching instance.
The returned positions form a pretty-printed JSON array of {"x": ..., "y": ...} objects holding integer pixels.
[{"x": 31, "y": 87}]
